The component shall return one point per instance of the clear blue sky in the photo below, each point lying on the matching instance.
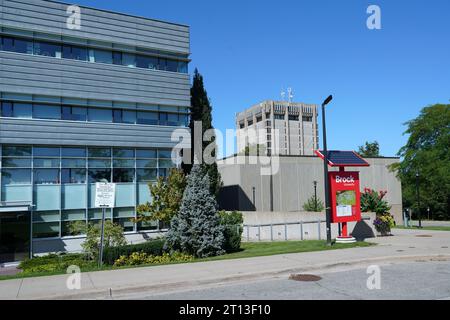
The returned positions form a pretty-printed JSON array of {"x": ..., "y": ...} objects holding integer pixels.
[{"x": 248, "y": 50}]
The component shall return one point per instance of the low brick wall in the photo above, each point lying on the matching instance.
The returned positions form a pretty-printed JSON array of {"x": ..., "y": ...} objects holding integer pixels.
[{"x": 276, "y": 226}]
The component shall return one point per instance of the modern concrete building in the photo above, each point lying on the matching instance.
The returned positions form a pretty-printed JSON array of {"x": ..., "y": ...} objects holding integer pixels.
[
  {"x": 246, "y": 189},
  {"x": 280, "y": 127},
  {"x": 79, "y": 106}
]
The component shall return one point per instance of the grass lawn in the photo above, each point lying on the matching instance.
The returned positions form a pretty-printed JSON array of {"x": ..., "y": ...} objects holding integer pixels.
[
  {"x": 435, "y": 228},
  {"x": 248, "y": 250}
]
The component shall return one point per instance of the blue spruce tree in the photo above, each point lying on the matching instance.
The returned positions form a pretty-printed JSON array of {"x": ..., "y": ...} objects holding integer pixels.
[{"x": 196, "y": 229}]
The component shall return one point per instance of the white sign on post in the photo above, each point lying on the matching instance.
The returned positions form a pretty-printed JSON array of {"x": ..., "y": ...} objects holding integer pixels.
[{"x": 105, "y": 195}]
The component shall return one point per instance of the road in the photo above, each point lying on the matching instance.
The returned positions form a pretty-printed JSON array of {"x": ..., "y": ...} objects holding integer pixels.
[{"x": 414, "y": 280}]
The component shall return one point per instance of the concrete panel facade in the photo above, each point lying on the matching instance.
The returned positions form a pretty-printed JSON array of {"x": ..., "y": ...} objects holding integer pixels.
[{"x": 293, "y": 185}]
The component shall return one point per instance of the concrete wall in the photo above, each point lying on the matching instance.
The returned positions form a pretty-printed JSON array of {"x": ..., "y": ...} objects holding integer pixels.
[
  {"x": 45, "y": 246},
  {"x": 310, "y": 229},
  {"x": 293, "y": 183}
]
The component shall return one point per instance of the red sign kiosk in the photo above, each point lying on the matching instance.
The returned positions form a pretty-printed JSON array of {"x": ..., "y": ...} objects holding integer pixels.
[{"x": 344, "y": 189}]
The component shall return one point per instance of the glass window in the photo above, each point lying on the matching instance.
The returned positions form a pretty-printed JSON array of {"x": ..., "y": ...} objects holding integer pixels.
[
  {"x": 150, "y": 163},
  {"x": 128, "y": 60},
  {"x": 163, "y": 116},
  {"x": 97, "y": 214},
  {"x": 17, "y": 45},
  {"x": 117, "y": 58},
  {"x": 97, "y": 175},
  {"x": 146, "y": 175},
  {"x": 6, "y": 110},
  {"x": 146, "y": 153},
  {"x": 73, "y": 52},
  {"x": 46, "y": 163},
  {"x": 128, "y": 116},
  {"x": 73, "y": 163},
  {"x": 146, "y": 62},
  {"x": 144, "y": 117},
  {"x": 147, "y": 225},
  {"x": 123, "y": 212},
  {"x": 73, "y": 176},
  {"x": 165, "y": 154},
  {"x": 103, "y": 56},
  {"x": 99, "y": 163},
  {"x": 46, "y": 216},
  {"x": 46, "y": 152},
  {"x": 126, "y": 223},
  {"x": 117, "y": 116},
  {"x": 46, "y": 176},
  {"x": 123, "y": 153},
  {"x": 172, "y": 65},
  {"x": 73, "y": 228},
  {"x": 73, "y": 152},
  {"x": 166, "y": 163},
  {"x": 182, "y": 67},
  {"x": 99, "y": 152},
  {"x": 172, "y": 119},
  {"x": 162, "y": 63},
  {"x": 73, "y": 215},
  {"x": 16, "y": 151},
  {"x": 47, "y": 49},
  {"x": 16, "y": 162},
  {"x": 74, "y": 113},
  {"x": 46, "y": 230},
  {"x": 123, "y": 163},
  {"x": 163, "y": 172},
  {"x": 42, "y": 111},
  {"x": 16, "y": 176},
  {"x": 123, "y": 175},
  {"x": 22, "y": 110},
  {"x": 100, "y": 115}
]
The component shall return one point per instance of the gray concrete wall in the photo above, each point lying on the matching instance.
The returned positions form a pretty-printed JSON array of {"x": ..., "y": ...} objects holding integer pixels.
[
  {"x": 310, "y": 229},
  {"x": 293, "y": 184},
  {"x": 73, "y": 244}
]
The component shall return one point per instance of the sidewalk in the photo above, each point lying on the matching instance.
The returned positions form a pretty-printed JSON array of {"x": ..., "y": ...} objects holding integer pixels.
[{"x": 405, "y": 245}]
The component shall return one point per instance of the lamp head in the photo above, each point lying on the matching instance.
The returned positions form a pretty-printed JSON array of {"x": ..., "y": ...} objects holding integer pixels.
[{"x": 327, "y": 100}]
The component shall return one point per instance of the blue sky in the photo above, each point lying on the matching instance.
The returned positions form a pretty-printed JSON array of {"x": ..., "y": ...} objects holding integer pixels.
[{"x": 248, "y": 50}]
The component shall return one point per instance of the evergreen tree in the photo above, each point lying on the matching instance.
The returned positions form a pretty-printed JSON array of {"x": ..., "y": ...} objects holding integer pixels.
[
  {"x": 196, "y": 229},
  {"x": 201, "y": 111}
]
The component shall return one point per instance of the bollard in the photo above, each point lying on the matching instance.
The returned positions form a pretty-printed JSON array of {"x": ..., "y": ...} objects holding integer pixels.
[
  {"x": 318, "y": 225},
  {"x": 285, "y": 232},
  {"x": 271, "y": 232},
  {"x": 301, "y": 230}
]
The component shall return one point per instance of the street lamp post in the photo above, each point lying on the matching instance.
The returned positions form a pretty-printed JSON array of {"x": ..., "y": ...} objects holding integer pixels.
[
  {"x": 325, "y": 172},
  {"x": 418, "y": 199},
  {"x": 315, "y": 196}
]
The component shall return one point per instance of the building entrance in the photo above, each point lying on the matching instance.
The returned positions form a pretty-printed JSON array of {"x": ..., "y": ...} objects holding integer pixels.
[{"x": 14, "y": 236}]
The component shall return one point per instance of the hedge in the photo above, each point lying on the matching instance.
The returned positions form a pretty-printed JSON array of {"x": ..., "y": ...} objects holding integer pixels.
[{"x": 151, "y": 247}]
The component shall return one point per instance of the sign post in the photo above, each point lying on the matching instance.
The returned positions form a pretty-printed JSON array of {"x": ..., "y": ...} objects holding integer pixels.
[
  {"x": 344, "y": 188},
  {"x": 104, "y": 198}
]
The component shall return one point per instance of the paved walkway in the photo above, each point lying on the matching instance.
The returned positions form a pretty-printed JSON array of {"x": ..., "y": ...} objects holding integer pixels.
[{"x": 407, "y": 245}]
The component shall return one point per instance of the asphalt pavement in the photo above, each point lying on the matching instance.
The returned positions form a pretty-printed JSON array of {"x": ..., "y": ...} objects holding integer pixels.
[{"x": 423, "y": 280}]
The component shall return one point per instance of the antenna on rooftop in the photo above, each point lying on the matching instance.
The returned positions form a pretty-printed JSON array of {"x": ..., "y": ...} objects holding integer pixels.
[
  {"x": 290, "y": 94},
  {"x": 283, "y": 94}
]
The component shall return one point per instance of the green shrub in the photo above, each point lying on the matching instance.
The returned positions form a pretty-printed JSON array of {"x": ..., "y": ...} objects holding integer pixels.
[
  {"x": 137, "y": 258},
  {"x": 54, "y": 263},
  {"x": 151, "y": 247},
  {"x": 312, "y": 206},
  {"x": 113, "y": 237},
  {"x": 232, "y": 222}
]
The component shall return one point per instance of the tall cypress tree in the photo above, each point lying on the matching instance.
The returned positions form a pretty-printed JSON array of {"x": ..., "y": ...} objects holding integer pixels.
[{"x": 201, "y": 110}]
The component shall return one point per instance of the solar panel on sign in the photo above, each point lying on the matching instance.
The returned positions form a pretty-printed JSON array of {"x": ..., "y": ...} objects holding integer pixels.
[{"x": 343, "y": 158}]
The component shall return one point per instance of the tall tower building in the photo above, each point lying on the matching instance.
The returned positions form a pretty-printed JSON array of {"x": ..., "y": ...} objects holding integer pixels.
[{"x": 278, "y": 128}]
